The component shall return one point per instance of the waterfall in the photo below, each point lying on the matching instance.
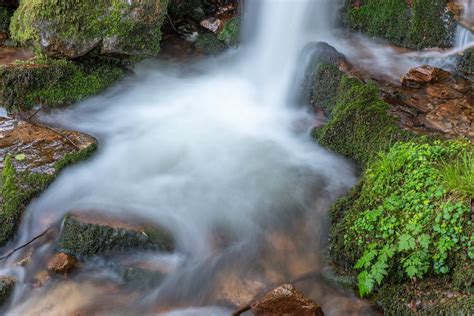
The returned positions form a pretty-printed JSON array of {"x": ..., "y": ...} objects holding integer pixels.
[
  {"x": 206, "y": 147},
  {"x": 465, "y": 37}
]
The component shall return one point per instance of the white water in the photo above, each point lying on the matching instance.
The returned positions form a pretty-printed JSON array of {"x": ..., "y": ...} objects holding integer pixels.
[
  {"x": 199, "y": 148},
  {"x": 464, "y": 36}
]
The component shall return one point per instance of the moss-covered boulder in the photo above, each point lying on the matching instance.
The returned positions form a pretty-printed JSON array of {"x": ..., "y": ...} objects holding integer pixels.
[
  {"x": 7, "y": 283},
  {"x": 414, "y": 24},
  {"x": 68, "y": 28},
  {"x": 36, "y": 154},
  {"x": 360, "y": 125},
  {"x": 86, "y": 235},
  {"x": 52, "y": 82}
]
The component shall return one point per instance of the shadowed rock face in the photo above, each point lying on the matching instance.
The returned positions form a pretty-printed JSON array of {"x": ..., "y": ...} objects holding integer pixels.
[
  {"x": 286, "y": 300},
  {"x": 85, "y": 235},
  {"x": 6, "y": 287}
]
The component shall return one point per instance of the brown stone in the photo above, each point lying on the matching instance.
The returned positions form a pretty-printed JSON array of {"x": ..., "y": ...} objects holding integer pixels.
[
  {"x": 212, "y": 24},
  {"x": 286, "y": 300},
  {"x": 419, "y": 76},
  {"x": 62, "y": 263}
]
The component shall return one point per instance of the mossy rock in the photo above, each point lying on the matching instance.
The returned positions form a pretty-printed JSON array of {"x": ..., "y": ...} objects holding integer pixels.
[
  {"x": 423, "y": 24},
  {"x": 322, "y": 77},
  {"x": 230, "y": 33},
  {"x": 32, "y": 164},
  {"x": 68, "y": 28},
  {"x": 5, "y": 15},
  {"x": 209, "y": 44},
  {"x": 360, "y": 124},
  {"x": 87, "y": 236},
  {"x": 54, "y": 83},
  {"x": 7, "y": 284}
]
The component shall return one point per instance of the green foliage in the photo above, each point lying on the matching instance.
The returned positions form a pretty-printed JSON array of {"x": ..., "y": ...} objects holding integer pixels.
[
  {"x": 5, "y": 15},
  {"x": 458, "y": 175},
  {"x": 359, "y": 116},
  {"x": 424, "y": 24},
  {"x": 231, "y": 32},
  {"x": 405, "y": 221},
  {"x": 53, "y": 82}
]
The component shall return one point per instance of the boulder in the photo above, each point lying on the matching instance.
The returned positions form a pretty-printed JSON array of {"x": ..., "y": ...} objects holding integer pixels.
[
  {"x": 70, "y": 29},
  {"x": 422, "y": 75},
  {"x": 7, "y": 283},
  {"x": 286, "y": 300},
  {"x": 54, "y": 83},
  {"x": 31, "y": 156},
  {"x": 62, "y": 263},
  {"x": 90, "y": 234}
]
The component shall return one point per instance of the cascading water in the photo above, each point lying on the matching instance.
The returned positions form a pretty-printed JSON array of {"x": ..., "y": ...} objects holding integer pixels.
[
  {"x": 202, "y": 149},
  {"x": 464, "y": 37}
]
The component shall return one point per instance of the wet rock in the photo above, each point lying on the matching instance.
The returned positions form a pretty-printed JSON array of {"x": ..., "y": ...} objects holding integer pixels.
[
  {"x": 70, "y": 29},
  {"x": 41, "y": 278},
  {"x": 7, "y": 283},
  {"x": 466, "y": 64},
  {"x": 237, "y": 289},
  {"x": 85, "y": 235},
  {"x": 35, "y": 156},
  {"x": 322, "y": 77},
  {"x": 419, "y": 76},
  {"x": 54, "y": 83},
  {"x": 213, "y": 24},
  {"x": 286, "y": 300},
  {"x": 62, "y": 263},
  {"x": 9, "y": 55}
]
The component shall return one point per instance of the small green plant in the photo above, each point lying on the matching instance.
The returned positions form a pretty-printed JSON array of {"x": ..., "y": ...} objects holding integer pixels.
[
  {"x": 458, "y": 176},
  {"x": 410, "y": 221}
]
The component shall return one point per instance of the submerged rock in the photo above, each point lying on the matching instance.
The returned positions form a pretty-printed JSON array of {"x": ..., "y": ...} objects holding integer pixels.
[
  {"x": 31, "y": 156},
  {"x": 85, "y": 235},
  {"x": 286, "y": 300},
  {"x": 71, "y": 29},
  {"x": 7, "y": 283},
  {"x": 62, "y": 263}
]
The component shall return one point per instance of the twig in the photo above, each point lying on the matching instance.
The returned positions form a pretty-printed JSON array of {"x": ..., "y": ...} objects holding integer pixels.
[
  {"x": 36, "y": 112},
  {"x": 57, "y": 132},
  {"x": 24, "y": 245},
  {"x": 171, "y": 23}
]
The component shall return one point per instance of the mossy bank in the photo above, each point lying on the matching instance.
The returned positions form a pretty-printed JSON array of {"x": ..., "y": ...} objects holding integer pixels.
[
  {"x": 413, "y": 24},
  {"x": 404, "y": 234}
]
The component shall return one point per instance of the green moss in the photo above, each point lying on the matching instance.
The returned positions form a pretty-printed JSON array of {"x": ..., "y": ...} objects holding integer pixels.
[
  {"x": 5, "y": 15},
  {"x": 208, "y": 43},
  {"x": 80, "y": 26},
  {"x": 231, "y": 32},
  {"x": 360, "y": 125},
  {"x": 325, "y": 87},
  {"x": 466, "y": 64},
  {"x": 425, "y": 24},
  {"x": 19, "y": 188},
  {"x": 53, "y": 82},
  {"x": 83, "y": 239}
]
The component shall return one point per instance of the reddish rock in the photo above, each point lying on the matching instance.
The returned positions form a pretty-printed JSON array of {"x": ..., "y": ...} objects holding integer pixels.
[
  {"x": 212, "y": 24},
  {"x": 419, "y": 76},
  {"x": 62, "y": 263},
  {"x": 286, "y": 300}
]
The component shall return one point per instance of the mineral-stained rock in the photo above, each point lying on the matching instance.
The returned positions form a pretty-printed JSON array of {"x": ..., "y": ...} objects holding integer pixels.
[
  {"x": 68, "y": 28},
  {"x": 62, "y": 263},
  {"x": 6, "y": 287},
  {"x": 85, "y": 235},
  {"x": 286, "y": 300},
  {"x": 419, "y": 76},
  {"x": 35, "y": 156}
]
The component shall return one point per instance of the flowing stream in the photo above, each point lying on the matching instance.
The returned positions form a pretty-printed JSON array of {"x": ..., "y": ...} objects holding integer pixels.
[{"x": 207, "y": 149}]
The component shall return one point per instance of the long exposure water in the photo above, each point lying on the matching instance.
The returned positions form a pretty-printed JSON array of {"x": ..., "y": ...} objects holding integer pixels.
[{"x": 211, "y": 148}]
